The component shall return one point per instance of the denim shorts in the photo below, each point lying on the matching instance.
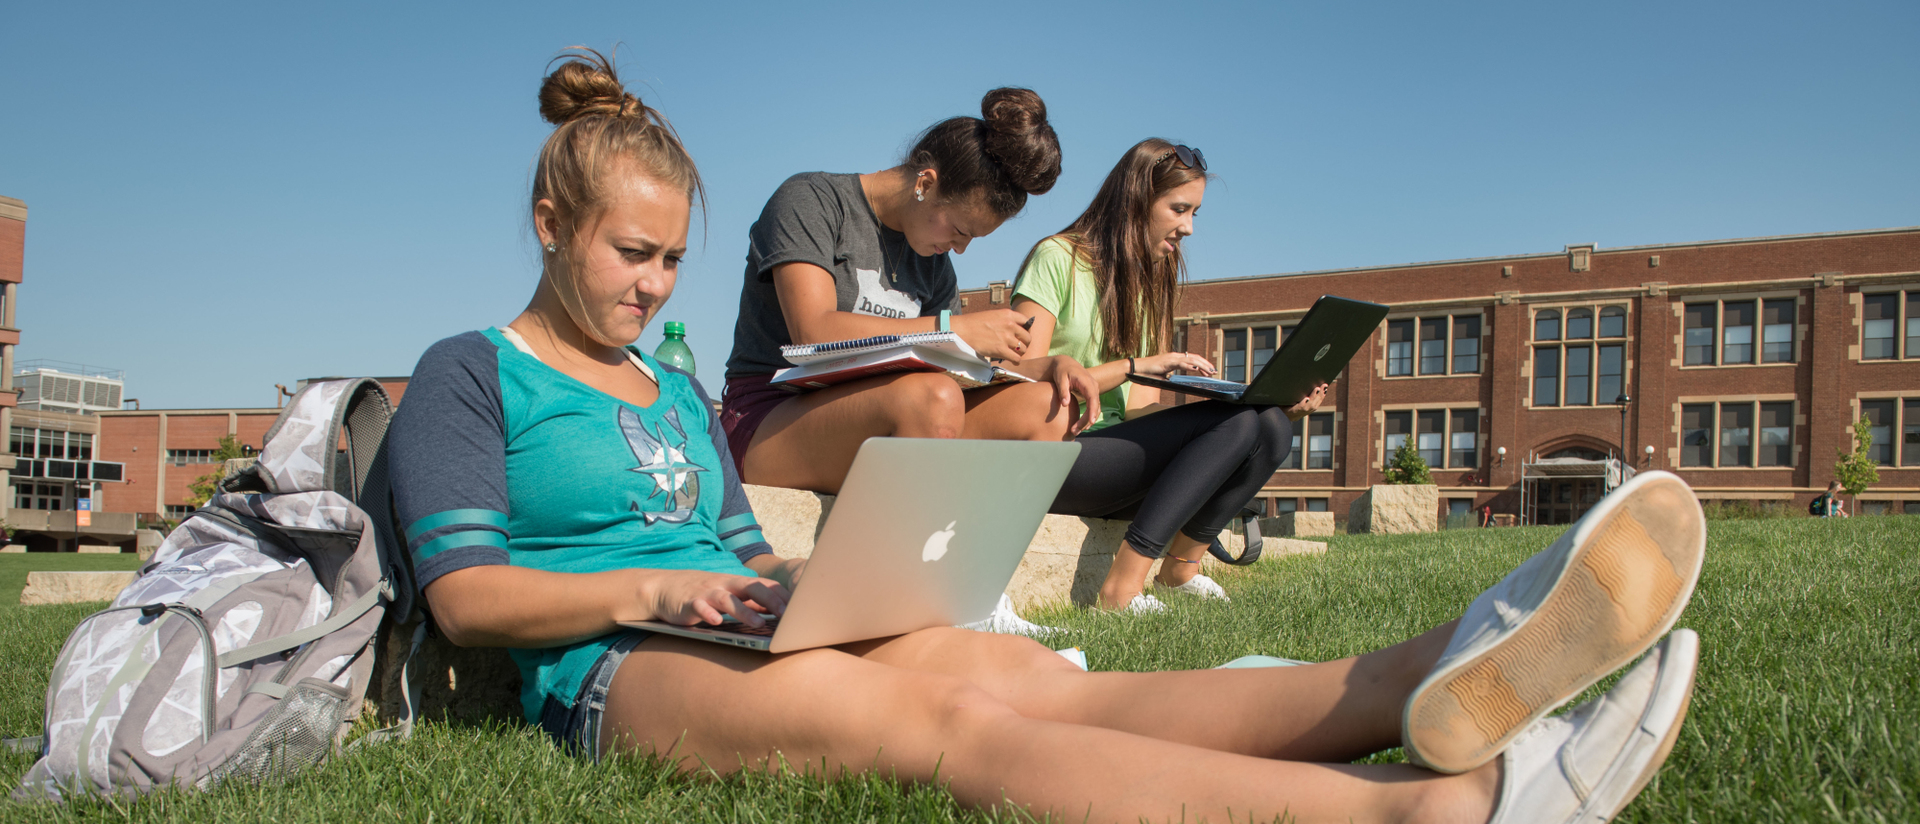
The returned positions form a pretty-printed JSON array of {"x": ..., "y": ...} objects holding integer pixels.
[{"x": 576, "y": 729}]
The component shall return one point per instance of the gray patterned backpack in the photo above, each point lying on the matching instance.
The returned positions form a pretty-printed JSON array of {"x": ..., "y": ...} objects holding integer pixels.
[{"x": 244, "y": 648}]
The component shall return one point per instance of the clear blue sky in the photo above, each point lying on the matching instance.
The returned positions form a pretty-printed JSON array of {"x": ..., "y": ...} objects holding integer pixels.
[{"x": 228, "y": 197}]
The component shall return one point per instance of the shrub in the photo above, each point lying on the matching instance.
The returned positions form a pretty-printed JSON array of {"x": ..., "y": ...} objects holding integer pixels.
[{"x": 1407, "y": 467}]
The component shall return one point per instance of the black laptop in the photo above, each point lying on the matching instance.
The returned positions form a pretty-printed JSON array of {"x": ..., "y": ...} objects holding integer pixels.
[{"x": 1317, "y": 352}]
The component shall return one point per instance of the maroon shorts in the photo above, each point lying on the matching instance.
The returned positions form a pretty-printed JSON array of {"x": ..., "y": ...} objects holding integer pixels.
[{"x": 743, "y": 405}]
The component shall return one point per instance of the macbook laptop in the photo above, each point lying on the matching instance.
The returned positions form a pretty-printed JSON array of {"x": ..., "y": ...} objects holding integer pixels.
[
  {"x": 1316, "y": 352},
  {"x": 925, "y": 533}
]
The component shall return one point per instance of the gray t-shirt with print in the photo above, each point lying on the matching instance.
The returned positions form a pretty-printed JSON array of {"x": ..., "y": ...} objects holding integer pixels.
[{"x": 824, "y": 219}]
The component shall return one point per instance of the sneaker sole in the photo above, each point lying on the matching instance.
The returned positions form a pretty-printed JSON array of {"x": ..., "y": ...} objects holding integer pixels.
[
  {"x": 1667, "y": 741},
  {"x": 1622, "y": 589}
]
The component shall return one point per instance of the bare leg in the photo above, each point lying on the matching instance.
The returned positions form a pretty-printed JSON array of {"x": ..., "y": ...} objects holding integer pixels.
[
  {"x": 728, "y": 709},
  {"x": 1335, "y": 711},
  {"x": 1016, "y": 412},
  {"x": 809, "y": 442},
  {"x": 1128, "y": 575},
  {"x": 1188, "y": 553}
]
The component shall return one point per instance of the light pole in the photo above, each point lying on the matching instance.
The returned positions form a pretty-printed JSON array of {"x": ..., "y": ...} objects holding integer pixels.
[{"x": 1622, "y": 401}]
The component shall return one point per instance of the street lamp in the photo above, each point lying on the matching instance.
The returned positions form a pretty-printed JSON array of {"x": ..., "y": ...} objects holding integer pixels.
[{"x": 1622, "y": 402}]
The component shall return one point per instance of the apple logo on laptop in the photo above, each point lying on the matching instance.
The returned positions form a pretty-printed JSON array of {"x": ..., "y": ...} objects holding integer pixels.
[
  {"x": 937, "y": 543},
  {"x": 1323, "y": 352}
]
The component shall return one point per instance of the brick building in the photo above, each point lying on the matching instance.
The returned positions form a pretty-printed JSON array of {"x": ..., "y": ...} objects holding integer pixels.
[
  {"x": 1742, "y": 365},
  {"x": 166, "y": 450}
]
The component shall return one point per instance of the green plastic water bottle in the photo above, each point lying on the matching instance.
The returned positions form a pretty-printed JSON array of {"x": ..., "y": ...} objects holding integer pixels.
[{"x": 674, "y": 350}]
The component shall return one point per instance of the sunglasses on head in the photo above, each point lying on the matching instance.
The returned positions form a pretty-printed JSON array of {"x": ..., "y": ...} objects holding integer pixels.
[{"x": 1191, "y": 158}]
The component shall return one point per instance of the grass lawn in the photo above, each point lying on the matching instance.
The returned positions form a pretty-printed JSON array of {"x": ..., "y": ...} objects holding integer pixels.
[
  {"x": 1805, "y": 708},
  {"x": 15, "y": 566}
]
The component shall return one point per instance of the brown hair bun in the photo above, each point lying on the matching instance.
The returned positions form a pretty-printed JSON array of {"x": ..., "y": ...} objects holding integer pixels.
[
  {"x": 1020, "y": 140},
  {"x": 583, "y": 88}
]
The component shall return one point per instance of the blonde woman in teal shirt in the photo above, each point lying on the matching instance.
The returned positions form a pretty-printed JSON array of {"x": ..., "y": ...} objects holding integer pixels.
[{"x": 1101, "y": 291}]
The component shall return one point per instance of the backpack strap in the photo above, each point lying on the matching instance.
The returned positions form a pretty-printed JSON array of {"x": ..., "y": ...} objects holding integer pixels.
[
  {"x": 1250, "y": 528},
  {"x": 304, "y": 450}
]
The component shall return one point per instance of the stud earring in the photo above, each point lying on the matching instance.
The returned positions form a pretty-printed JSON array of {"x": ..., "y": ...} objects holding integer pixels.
[
  {"x": 553, "y": 247},
  {"x": 919, "y": 195}
]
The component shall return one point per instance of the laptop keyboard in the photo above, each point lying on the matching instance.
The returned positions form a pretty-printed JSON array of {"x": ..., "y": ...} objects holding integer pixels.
[
  {"x": 737, "y": 628},
  {"x": 1207, "y": 383}
]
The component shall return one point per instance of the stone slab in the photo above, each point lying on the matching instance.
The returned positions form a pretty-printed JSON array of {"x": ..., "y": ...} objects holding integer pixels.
[
  {"x": 1396, "y": 509},
  {"x": 789, "y": 518},
  {"x": 1298, "y": 524},
  {"x": 98, "y": 549},
  {"x": 147, "y": 542},
  {"x": 463, "y": 683},
  {"x": 73, "y": 587},
  {"x": 14, "y": 548}
]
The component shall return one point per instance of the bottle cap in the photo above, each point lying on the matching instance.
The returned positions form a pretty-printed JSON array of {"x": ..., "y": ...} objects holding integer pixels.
[{"x": 675, "y": 327}]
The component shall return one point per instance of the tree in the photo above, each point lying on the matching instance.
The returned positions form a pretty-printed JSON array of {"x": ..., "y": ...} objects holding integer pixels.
[
  {"x": 1856, "y": 470},
  {"x": 1407, "y": 467},
  {"x": 203, "y": 487}
]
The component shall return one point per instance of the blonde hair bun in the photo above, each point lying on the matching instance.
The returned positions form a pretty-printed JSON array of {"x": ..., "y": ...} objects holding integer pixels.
[{"x": 585, "y": 85}]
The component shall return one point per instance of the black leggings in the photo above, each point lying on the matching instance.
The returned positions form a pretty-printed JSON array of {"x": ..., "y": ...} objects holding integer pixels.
[{"x": 1191, "y": 468}]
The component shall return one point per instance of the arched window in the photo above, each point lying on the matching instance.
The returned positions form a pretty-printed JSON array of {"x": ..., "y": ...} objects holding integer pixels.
[
  {"x": 1579, "y": 324},
  {"x": 1546, "y": 325},
  {"x": 1613, "y": 322}
]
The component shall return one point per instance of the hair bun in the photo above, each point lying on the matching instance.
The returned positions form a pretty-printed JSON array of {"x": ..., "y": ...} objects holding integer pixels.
[
  {"x": 1020, "y": 140},
  {"x": 583, "y": 86}
]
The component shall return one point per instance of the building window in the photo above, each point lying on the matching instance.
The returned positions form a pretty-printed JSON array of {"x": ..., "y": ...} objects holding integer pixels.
[
  {"x": 1448, "y": 345},
  {"x": 1726, "y": 434},
  {"x": 1316, "y": 432},
  {"x": 27, "y": 442},
  {"x": 1465, "y": 439},
  {"x": 1316, "y": 504},
  {"x": 1886, "y": 332},
  {"x": 1399, "y": 347},
  {"x": 1727, "y": 332},
  {"x": 1910, "y": 435},
  {"x": 1282, "y": 506},
  {"x": 1776, "y": 333},
  {"x": 1466, "y": 344},
  {"x": 1880, "y": 425},
  {"x": 1587, "y": 365},
  {"x": 1446, "y": 439},
  {"x": 176, "y": 512},
  {"x": 1320, "y": 441},
  {"x": 1776, "y": 434},
  {"x": 1245, "y": 351},
  {"x": 182, "y": 457},
  {"x": 1736, "y": 434},
  {"x": 1233, "y": 356},
  {"x": 1546, "y": 376}
]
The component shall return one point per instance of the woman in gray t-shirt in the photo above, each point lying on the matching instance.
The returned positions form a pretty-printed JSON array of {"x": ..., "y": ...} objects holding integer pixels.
[{"x": 845, "y": 256}]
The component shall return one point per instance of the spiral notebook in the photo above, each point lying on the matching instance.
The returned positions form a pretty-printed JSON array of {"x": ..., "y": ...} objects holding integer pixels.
[{"x": 821, "y": 365}]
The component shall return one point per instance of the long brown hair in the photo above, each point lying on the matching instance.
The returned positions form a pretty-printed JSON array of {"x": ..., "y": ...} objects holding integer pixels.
[
  {"x": 1135, "y": 291},
  {"x": 1005, "y": 154}
]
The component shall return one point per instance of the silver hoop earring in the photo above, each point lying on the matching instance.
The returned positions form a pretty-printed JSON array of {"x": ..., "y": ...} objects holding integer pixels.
[{"x": 553, "y": 247}]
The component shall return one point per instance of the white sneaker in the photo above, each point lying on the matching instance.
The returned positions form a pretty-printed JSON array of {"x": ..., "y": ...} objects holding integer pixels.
[
  {"x": 1007, "y": 622},
  {"x": 1584, "y": 767},
  {"x": 1199, "y": 585},
  {"x": 1599, "y": 596},
  {"x": 1143, "y": 604}
]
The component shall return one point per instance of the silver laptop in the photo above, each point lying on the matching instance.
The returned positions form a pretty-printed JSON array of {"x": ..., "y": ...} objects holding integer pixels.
[
  {"x": 1318, "y": 350},
  {"x": 925, "y": 533}
]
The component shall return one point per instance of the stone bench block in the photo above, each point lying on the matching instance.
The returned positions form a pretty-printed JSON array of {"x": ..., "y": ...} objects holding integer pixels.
[
  {"x": 147, "y": 542},
  {"x": 463, "y": 683},
  {"x": 1298, "y": 524},
  {"x": 99, "y": 549},
  {"x": 14, "y": 548},
  {"x": 1396, "y": 509},
  {"x": 73, "y": 587}
]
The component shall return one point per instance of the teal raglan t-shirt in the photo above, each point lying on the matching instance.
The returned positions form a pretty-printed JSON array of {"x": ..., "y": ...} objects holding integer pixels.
[{"x": 561, "y": 477}]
